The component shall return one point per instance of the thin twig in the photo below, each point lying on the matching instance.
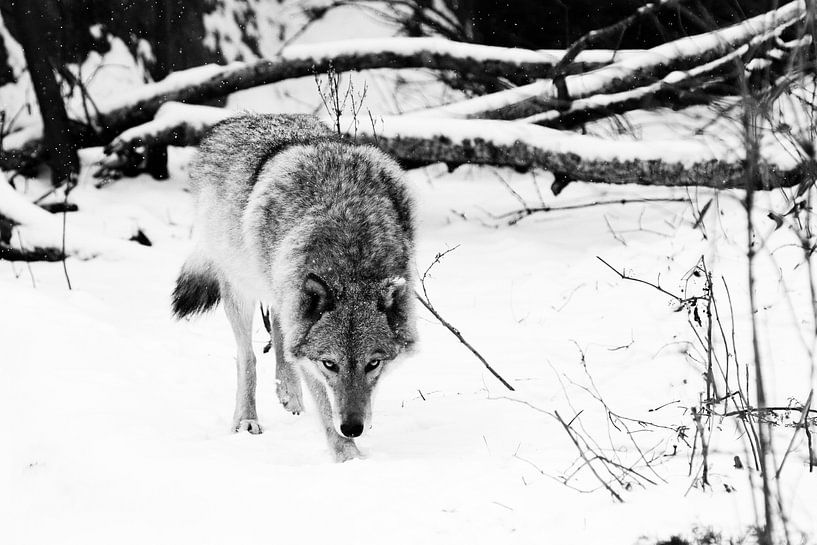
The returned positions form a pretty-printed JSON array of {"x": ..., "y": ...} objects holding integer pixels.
[
  {"x": 28, "y": 263},
  {"x": 454, "y": 331},
  {"x": 64, "y": 222},
  {"x": 426, "y": 302},
  {"x": 696, "y": 416},
  {"x": 624, "y": 276},
  {"x": 802, "y": 424},
  {"x": 584, "y": 457},
  {"x": 518, "y": 215}
]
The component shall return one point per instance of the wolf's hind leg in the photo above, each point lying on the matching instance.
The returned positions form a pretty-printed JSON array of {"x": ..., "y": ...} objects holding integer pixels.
[
  {"x": 288, "y": 383},
  {"x": 240, "y": 313},
  {"x": 343, "y": 448}
]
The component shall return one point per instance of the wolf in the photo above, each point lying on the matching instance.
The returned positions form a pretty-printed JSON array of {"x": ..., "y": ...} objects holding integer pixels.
[{"x": 321, "y": 231}]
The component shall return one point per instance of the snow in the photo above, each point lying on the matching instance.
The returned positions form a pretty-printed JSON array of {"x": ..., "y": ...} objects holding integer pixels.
[
  {"x": 116, "y": 418},
  {"x": 37, "y": 228}
]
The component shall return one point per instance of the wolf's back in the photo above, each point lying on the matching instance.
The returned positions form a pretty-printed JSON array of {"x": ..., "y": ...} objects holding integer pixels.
[{"x": 233, "y": 152}]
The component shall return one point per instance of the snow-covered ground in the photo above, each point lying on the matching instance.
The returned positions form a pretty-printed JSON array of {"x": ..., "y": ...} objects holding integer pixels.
[{"x": 116, "y": 419}]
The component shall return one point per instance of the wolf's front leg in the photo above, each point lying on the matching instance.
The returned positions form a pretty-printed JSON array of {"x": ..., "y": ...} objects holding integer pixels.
[
  {"x": 240, "y": 313},
  {"x": 288, "y": 383},
  {"x": 343, "y": 448}
]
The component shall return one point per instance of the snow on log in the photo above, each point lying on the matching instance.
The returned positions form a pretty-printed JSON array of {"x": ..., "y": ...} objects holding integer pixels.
[
  {"x": 628, "y": 73},
  {"x": 22, "y": 147},
  {"x": 712, "y": 161},
  {"x": 29, "y": 233},
  {"x": 176, "y": 124},
  {"x": 702, "y": 161}
]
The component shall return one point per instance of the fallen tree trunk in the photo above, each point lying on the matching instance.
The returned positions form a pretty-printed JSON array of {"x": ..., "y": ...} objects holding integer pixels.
[
  {"x": 626, "y": 74},
  {"x": 205, "y": 83},
  {"x": 707, "y": 162},
  {"x": 715, "y": 162}
]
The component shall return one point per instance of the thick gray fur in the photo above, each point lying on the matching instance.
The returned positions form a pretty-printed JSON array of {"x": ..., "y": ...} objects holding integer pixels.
[{"x": 319, "y": 229}]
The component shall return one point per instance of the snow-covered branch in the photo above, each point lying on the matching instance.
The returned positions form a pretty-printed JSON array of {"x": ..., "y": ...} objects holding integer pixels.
[
  {"x": 628, "y": 73},
  {"x": 175, "y": 124},
  {"x": 680, "y": 88},
  {"x": 208, "y": 82}
]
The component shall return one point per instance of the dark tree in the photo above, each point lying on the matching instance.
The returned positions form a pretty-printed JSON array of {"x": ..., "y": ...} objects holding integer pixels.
[
  {"x": 27, "y": 19},
  {"x": 172, "y": 29}
]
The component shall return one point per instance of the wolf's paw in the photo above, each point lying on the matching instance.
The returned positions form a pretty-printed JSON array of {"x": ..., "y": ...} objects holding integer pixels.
[
  {"x": 289, "y": 395},
  {"x": 249, "y": 425},
  {"x": 346, "y": 451}
]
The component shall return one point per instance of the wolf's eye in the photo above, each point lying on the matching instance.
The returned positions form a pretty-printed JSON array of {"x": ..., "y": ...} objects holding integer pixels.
[
  {"x": 372, "y": 365},
  {"x": 329, "y": 364}
]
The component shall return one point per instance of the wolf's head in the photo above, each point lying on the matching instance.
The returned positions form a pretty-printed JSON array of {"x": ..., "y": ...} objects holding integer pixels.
[{"x": 354, "y": 336}]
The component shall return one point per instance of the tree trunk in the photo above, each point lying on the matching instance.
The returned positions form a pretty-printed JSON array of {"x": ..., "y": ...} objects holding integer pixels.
[{"x": 30, "y": 15}]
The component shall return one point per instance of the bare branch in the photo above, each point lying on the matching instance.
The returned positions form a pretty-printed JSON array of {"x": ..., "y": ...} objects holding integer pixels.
[
  {"x": 587, "y": 461},
  {"x": 425, "y": 301}
]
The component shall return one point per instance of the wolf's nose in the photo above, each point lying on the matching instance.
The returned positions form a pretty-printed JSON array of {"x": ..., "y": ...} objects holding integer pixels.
[{"x": 351, "y": 429}]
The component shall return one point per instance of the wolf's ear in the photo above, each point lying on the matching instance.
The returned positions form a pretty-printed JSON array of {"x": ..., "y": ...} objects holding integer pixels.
[
  {"x": 395, "y": 303},
  {"x": 317, "y": 297},
  {"x": 392, "y": 291}
]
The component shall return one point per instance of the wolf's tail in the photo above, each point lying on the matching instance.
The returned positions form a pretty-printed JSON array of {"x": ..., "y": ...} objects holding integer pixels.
[{"x": 197, "y": 288}]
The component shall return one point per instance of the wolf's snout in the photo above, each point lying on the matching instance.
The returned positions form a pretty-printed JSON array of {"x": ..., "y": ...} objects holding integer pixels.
[{"x": 353, "y": 428}]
